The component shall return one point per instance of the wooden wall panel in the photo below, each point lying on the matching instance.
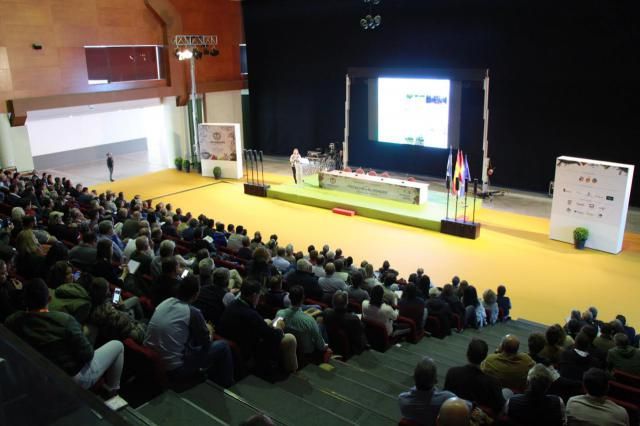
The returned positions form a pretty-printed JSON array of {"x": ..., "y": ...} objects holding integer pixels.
[{"x": 64, "y": 27}]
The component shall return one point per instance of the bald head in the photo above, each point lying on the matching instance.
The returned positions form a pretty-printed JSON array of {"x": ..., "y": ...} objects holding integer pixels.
[
  {"x": 454, "y": 412},
  {"x": 510, "y": 344}
]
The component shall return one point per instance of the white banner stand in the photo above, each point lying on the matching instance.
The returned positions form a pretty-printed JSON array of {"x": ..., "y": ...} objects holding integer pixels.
[
  {"x": 221, "y": 146},
  {"x": 594, "y": 195}
]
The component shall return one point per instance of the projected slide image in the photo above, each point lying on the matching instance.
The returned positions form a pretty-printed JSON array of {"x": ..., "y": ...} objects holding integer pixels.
[{"x": 414, "y": 111}]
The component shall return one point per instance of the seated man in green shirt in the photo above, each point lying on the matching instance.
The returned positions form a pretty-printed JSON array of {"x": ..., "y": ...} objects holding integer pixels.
[
  {"x": 58, "y": 336},
  {"x": 301, "y": 324}
]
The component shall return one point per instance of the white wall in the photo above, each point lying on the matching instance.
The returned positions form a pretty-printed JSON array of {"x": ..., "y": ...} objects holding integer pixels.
[
  {"x": 224, "y": 107},
  {"x": 159, "y": 121},
  {"x": 14, "y": 146}
]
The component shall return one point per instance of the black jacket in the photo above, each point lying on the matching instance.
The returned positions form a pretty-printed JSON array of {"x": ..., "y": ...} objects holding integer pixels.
[{"x": 470, "y": 383}]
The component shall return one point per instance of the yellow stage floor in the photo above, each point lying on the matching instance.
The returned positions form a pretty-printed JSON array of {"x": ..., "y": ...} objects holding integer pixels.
[{"x": 545, "y": 279}]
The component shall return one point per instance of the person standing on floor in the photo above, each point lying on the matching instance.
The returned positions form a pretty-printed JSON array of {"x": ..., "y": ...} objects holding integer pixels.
[
  {"x": 294, "y": 159},
  {"x": 110, "y": 165}
]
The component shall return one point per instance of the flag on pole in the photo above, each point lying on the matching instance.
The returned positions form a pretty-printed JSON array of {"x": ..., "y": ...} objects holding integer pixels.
[
  {"x": 449, "y": 168},
  {"x": 461, "y": 174},
  {"x": 467, "y": 173},
  {"x": 455, "y": 187}
]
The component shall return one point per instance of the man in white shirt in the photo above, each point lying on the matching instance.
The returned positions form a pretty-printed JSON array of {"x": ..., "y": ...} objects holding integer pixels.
[{"x": 594, "y": 408}]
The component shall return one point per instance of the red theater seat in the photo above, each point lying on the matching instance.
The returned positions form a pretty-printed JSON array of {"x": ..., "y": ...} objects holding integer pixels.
[
  {"x": 372, "y": 173},
  {"x": 385, "y": 174},
  {"x": 347, "y": 169},
  {"x": 411, "y": 179},
  {"x": 359, "y": 171}
]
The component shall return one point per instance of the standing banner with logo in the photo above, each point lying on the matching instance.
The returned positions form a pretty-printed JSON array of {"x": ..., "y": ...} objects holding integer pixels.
[
  {"x": 220, "y": 146},
  {"x": 594, "y": 195}
]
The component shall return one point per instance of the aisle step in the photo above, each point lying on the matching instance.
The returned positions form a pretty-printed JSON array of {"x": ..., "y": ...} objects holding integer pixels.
[
  {"x": 288, "y": 408},
  {"x": 225, "y": 405},
  {"x": 353, "y": 372},
  {"x": 170, "y": 409},
  {"x": 376, "y": 400},
  {"x": 377, "y": 363}
]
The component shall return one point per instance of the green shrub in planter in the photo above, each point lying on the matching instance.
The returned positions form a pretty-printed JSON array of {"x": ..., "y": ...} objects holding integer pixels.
[
  {"x": 217, "y": 172},
  {"x": 178, "y": 163},
  {"x": 580, "y": 235},
  {"x": 186, "y": 165}
]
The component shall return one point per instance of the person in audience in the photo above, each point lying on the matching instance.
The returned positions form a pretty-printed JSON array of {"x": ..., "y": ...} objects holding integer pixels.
[
  {"x": 111, "y": 323},
  {"x": 594, "y": 408},
  {"x": 535, "y": 407},
  {"x": 168, "y": 283},
  {"x": 412, "y": 306},
  {"x": 623, "y": 356},
  {"x": 103, "y": 266},
  {"x": 72, "y": 297},
  {"x": 258, "y": 341},
  {"x": 11, "y": 294},
  {"x": 166, "y": 251},
  {"x": 471, "y": 383},
  {"x": 422, "y": 402},
  {"x": 339, "y": 318},
  {"x": 630, "y": 331},
  {"x": 355, "y": 291},
  {"x": 390, "y": 287},
  {"x": 574, "y": 362},
  {"x": 188, "y": 234},
  {"x": 340, "y": 272},
  {"x": 131, "y": 226},
  {"x": 281, "y": 264},
  {"x": 304, "y": 277},
  {"x": 490, "y": 304},
  {"x": 330, "y": 283},
  {"x": 370, "y": 280},
  {"x": 318, "y": 266},
  {"x": 30, "y": 258},
  {"x": 276, "y": 297},
  {"x": 555, "y": 337},
  {"x": 214, "y": 294},
  {"x": 245, "y": 251},
  {"x": 83, "y": 255},
  {"x": 289, "y": 254},
  {"x": 105, "y": 232},
  {"x": 454, "y": 412},
  {"x": 256, "y": 241},
  {"x": 448, "y": 295},
  {"x": 178, "y": 332},
  {"x": 59, "y": 338},
  {"x": 599, "y": 355},
  {"x": 260, "y": 269},
  {"x": 234, "y": 242},
  {"x": 508, "y": 365},
  {"x": 302, "y": 325},
  {"x": 376, "y": 310},
  {"x": 438, "y": 308},
  {"x": 605, "y": 340},
  {"x": 475, "y": 315},
  {"x": 144, "y": 256}
]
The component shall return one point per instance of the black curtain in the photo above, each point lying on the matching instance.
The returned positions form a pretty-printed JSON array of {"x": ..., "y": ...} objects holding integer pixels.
[{"x": 564, "y": 77}]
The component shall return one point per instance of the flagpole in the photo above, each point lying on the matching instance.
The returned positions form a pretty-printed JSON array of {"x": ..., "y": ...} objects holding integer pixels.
[
  {"x": 475, "y": 196},
  {"x": 464, "y": 218},
  {"x": 448, "y": 190},
  {"x": 455, "y": 217}
]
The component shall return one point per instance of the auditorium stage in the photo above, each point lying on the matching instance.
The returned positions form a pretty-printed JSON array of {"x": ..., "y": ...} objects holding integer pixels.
[{"x": 426, "y": 216}]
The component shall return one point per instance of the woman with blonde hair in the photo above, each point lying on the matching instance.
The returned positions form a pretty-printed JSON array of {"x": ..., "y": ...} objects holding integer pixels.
[
  {"x": 490, "y": 303},
  {"x": 293, "y": 160}
]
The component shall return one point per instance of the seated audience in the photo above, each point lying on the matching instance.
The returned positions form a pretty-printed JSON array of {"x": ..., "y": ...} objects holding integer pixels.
[
  {"x": 355, "y": 291},
  {"x": 470, "y": 383},
  {"x": 214, "y": 294},
  {"x": 302, "y": 325},
  {"x": 504, "y": 302},
  {"x": 258, "y": 341},
  {"x": 72, "y": 297},
  {"x": 575, "y": 361},
  {"x": 489, "y": 303},
  {"x": 168, "y": 283},
  {"x": 605, "y": 340},
  {"x": 245, "y": 252},
  {"x": 411, "y": 306},
  {"x": 555, "y": 337},
  {"x": 304, "y": 276},
  {"x": 630, "y": 331},
  {"x": 594, "y": 408},
  {"x": 11, "y": 294},
  {"x": 83, "y": 255},
  {"x": 475, "y": 315},
  {"x": 448, "y": 295},
  {"x": 377, "y": 310},
  {"x": 111, "y": 323},
  {"x": 103, "y": 266},
  {"x": 390, "y": 287},
  {"x": 178, "y": 332},
  {"x": 276, "y": 297},
  {"x": 339, "y": 318},
  {"x": 508, "y": 365},
  {"x": 623, "y": 356},
  {"x": 234, "y": 242},
  {"x": 340, "y": 272},
  {"x": 438, "y": 308},
  {"x": 330, "y": 283},
  {"x": 454, "y": 412},
  {"x": 535, "y": 407},
  {"x": 370, "y": 280},
  {"x": 260, "y": 269},
  {"x": 59, "y": 338},
  {"x": 279, "y": 261},
  {"x": 422, "y": 402}
]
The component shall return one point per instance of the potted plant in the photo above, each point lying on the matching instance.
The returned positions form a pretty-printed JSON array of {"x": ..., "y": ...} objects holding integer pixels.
[
  {"x": 197, "y": 165},
  {"x": 178, "y": 163},
  {"x": 580, "y": 236},
  {"x": 186, "y": 165},
  {"x": 217, "y": 172}
]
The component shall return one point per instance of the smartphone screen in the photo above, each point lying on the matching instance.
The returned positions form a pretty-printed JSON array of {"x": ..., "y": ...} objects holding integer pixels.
[
  {"x": 184, "y": 273},
  {"x": 76, "y": 275},
  {"x": 116, "y": 295}
]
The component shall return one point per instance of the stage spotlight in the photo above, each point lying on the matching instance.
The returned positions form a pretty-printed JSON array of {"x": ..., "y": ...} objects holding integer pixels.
[
  {"x": 377, "y": 20},
  {"x": 185, "y": 54},
  {"x": 364, "y": 24}
]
